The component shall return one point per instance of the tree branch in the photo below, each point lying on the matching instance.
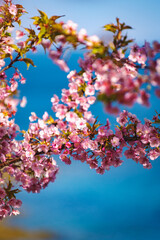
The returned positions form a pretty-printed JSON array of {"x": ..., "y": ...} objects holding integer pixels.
[
  {"x": 11, "y": 63},
  {"x": 8, "y": 162}
]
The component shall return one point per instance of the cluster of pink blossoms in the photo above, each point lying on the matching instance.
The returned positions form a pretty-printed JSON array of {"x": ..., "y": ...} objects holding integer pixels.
[
  {"x": 31, "y": 172},
  {"x": 69, "y": 30},
  {"x": 115, "y": 79},
  {"x": 74, "y": 134},
  {"x": 124, "y": 84}
]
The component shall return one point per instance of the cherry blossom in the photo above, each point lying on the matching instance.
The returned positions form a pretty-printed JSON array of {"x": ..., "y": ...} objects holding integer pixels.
[{"x": 106, "y": 74}]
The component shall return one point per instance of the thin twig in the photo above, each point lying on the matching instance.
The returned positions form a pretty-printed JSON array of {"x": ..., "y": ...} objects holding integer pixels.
[
  {"x": 9, "y": 161},
  {"x": 11, "y": 63}
]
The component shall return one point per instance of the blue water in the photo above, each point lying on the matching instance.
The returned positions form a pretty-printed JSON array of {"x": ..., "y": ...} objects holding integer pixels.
[{"x": 123, "y": 204}]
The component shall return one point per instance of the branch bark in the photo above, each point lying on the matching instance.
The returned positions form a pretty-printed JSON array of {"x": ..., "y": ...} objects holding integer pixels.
[
  {"x": 8, "y": 162},
  {"x": 11, "y": 63}
]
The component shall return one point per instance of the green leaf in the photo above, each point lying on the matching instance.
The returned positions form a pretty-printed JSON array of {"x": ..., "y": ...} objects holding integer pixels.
[
  {"x": 89, "y": 126},
  {"x": 98, "y": 50},
  {"x": 30, "y": 31},
  {"x": 37, "y": 19},
  {"x": 106, "y": 99},
  {"x": 19, "y": 6},
  {"x": 54, "y": 18},
  {"x": 41, "y": 34},
  {"x": 28, "y": 62},
  {"x": 8, "y": 34},
  {"x": 19, "y": 22},
  {"x": 110, "y": 27},
  {"x": 14, "y": 46},
  {"x": 127, "y": 27},
  {"x": 7, "y": 55},
  {"x": 43, "y": 14},
  {"x": 78, "y": 113}
]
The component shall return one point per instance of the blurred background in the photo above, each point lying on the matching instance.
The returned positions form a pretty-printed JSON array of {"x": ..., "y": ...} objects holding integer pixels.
[{"x": 124, "y": 203}]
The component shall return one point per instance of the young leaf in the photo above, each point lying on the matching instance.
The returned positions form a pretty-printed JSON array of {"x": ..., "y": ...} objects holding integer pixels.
[
  {"x": 43, "y": 14},
  {"x": 110, "y": 27},
  {"x": 28, "y": 62}
]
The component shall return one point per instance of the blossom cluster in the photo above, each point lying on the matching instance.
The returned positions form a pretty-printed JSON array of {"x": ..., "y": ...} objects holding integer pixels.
[{"x": 113, "y": 76}]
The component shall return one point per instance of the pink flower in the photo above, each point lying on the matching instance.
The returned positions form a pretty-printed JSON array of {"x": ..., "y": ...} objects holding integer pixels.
[
  {"x": 2, "y": 193},
  {"x": 30, "y": 154},
  {"x": 87, "y": 143},
  {"x": 22, "y": 80},
  {"x": 3, "y": 131},
  {"x": 33, "y": 128},
  {"x": 60, "y": 39},
  {"x": 91, "y": 100},
  {"x": 65, "y": 159},
  {"x": 139, "y": 129},
  {"x": 45, "y": 116},
  {"x": 21, "y": 44},
  {"x": 46, "y": 44},
  {"x": 102, "y": 131},
  {"x": 41, "y": 124},
  {"x": 54, "y": 55},
  {"x": 19, "y": 34},
  {"x": 74, "y": 137},
  {"x": 115, "y": 141},
  {"x": 23, "y": 102},
  {"x": 3, "y": 213},
  {"x": 8, "y": 49},
  {"x": 73, "y": 87},
  {"x": 92, "y": 40},
  {"x": 90, "y": 90},
  {"x": 129, "y": 153},
  {"x": 61, "y": 113},
  {"x": 153, "y": 154},
  {"x": 54, "y": 99},
  {"x": 143, "y": 98},
  {"x": 158, "y": 66},
  {"x": 82, "y": 35},
  {"x": 34, "y": 49},
  {"x": 2, "y": 63},
  {"x": 62, "y": 64},
  {"x": 154, "y": 142},
  {"x": 88, "y": 116},
  {"x": 71, "y": 117},
  {"x": 13, "y": 9},
  {"x": 15, "y": 203},
  {"x": 14, "y": 86},
  {"x": 100, "y": 170},
  {"x": 71, "y": 75},
  {"x": 70, "y": 26},
  {"x": 157, "y": 92},
  {"x": 87, "y": 76},
  {"x": 81, "y": 123},
  {"x": 53, "y": 130},
  {"x": 33, "y": 117},
  {"x": 15, "y": 212},
  {"x": 43, "y": 148},
  {"x": 123, "y": 118}
]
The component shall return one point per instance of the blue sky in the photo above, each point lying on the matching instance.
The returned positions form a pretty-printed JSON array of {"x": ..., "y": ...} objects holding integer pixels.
[{"x": 142, "y": 15}]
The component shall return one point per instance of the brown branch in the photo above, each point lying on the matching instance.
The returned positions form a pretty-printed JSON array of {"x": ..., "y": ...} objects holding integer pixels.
[
  {"x": 130, "y": 138},
  {"x": 11, "y": 63},
  {"x": 9, "y": 161},
  {"x": 16, "y": 160}
]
